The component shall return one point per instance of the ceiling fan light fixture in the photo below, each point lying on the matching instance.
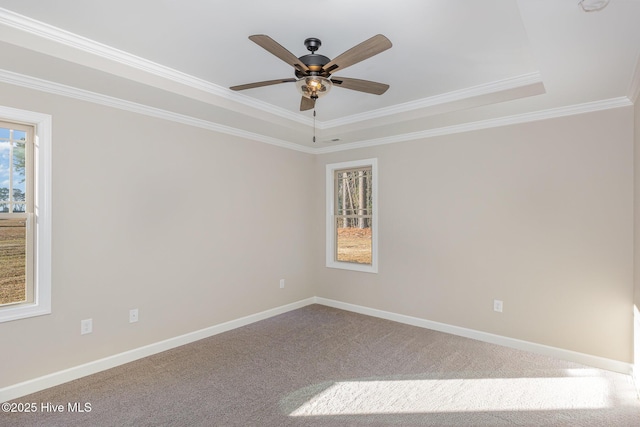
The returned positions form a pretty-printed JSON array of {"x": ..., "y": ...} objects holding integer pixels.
[{"x": 313, "y": 87}]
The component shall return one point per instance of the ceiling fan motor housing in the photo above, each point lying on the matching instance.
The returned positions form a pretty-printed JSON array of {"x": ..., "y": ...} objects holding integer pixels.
[{"x": 314, "y": 62}]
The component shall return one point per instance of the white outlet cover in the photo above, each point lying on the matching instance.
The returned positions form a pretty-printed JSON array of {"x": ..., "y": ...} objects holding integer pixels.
[{"x": 86, "y": 326}]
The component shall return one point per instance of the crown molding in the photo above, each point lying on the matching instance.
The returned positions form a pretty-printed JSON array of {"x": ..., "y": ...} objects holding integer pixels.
[
  {"x": 433, "y": 101},
  {"x": 84, "y": 95},
  {"x": 551, "y": 113},
  {"x": 83, "y": 44},
  {"x": 109, "y": 101}
]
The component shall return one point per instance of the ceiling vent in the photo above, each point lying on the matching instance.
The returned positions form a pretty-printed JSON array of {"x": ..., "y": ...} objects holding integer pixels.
[{"x": 593, "y": 5}]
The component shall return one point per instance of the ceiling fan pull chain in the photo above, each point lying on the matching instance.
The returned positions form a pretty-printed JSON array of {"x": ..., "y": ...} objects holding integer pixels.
[{"x": 314, "y": 125}]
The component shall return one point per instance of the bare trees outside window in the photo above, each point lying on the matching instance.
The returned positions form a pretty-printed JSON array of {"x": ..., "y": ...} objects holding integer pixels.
[{"x": 352, "y": 215}]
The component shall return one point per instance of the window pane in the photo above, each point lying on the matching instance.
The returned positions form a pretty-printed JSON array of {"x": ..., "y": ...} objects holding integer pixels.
[
  {"x": 353, "y": 243},
  {"x": 353, "y": 192},
  {"x": 19, "y": 135},
  {"x": 19, "y": 207},
  {"x": 19, "y": 177},
  {"x": 13, "y": 261}
]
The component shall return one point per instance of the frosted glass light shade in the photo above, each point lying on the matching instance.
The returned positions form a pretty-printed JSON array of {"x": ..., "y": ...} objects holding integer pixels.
[{"x": 313, "y": 87}]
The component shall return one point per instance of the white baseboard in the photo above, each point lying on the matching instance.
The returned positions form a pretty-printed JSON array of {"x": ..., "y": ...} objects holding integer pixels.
[
  {"x": 37, "y": 384},
  {"x": 572, "y": 356}
]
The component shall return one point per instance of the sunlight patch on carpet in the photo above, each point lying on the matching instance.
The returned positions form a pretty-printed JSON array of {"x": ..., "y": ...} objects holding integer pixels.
[{"x": 458, "y": 395}]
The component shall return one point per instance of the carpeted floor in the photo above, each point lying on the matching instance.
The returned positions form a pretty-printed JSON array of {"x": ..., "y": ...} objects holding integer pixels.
[{"x": 319, "y": 366}]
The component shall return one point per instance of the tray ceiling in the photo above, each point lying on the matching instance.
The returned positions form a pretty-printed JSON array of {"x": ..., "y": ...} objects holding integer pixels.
[{"x": 453, "y": 62}]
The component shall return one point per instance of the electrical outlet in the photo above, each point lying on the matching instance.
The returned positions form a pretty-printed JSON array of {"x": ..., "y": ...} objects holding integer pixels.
[
  {"x": 281, "y": 283},
  {"x": 133, "y": 315},
  {"x": 497, "y": 305},
  {"x": 86, "y": 326}
]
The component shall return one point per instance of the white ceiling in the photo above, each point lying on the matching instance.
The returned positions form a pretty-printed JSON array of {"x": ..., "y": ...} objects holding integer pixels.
[{"x": 454, "y": 64}]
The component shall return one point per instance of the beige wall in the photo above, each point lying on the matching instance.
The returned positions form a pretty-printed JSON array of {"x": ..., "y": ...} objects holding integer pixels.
[
  {"x": 191, "y": 227},
  {"x": 171, "y": 219},
  {"x": 539, "y": 215}
]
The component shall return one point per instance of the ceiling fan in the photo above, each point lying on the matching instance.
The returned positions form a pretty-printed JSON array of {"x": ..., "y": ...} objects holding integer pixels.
[{"x": 314, "y": 71}]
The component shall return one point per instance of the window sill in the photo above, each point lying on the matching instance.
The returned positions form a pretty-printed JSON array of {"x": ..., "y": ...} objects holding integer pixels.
[
  {"x": 23, "y": 311},
  {"x": 365, "y": 268}
]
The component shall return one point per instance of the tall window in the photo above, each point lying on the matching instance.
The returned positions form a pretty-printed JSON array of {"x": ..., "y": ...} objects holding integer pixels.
[
  {"x": 25, "y": 214},
  {"x": 16, "y": 213},
  {"x": 352, "y": 215}
]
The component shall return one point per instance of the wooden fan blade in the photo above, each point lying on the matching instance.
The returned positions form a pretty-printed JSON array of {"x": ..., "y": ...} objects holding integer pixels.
[
  {"x": 360, "y": 85},
  {"x": 364, "y": 50},
  {"x": 260, "y": 84},
  {"x": 273, "y": 47},
  {"x": 307, "y": 103}
]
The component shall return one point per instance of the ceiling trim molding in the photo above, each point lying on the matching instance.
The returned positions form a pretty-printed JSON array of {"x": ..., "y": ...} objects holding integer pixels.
[
  {"x": 75, "y": 41},
  {"x": 634, "y": 88},
  {"x": 84, "y": 95},
  {"x": 109, "y": 101},
  {"x": 486, "y": 124},
  {"x": 445, "y": 98}
]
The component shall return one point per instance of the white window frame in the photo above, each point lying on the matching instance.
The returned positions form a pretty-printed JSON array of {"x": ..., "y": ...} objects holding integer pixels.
[
  {"x": 41, "y": 303},
  {"x": 331, "y": 221}
]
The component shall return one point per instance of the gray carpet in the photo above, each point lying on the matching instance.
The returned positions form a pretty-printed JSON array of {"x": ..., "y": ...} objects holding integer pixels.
[{"x": 318, "y": 366}]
